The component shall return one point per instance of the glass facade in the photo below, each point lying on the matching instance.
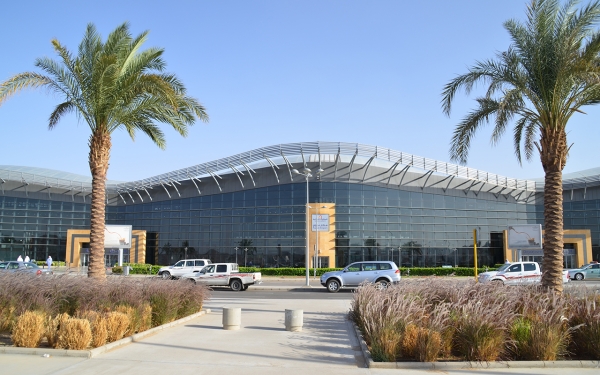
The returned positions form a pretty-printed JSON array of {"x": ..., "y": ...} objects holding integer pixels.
[
  {"x": 38, "y": 227},
  {"x": 409, "y": 227}
]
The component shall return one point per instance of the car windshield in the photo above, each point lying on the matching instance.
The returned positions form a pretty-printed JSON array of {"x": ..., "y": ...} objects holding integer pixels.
[
  {"x": 181, "y": 263},
  {"x": 503, "y": 267}
]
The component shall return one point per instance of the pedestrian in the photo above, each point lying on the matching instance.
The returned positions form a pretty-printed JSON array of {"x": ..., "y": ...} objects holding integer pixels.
[
  {"x": 507, "y": 262},
  {"x": 19, "y": 259},
  {"x": 49, "y": 262},
  {"x": 26, "y": 258}
]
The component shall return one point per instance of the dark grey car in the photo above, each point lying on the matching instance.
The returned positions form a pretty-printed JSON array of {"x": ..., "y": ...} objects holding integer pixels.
[
  {"x": 382, "y": 273},
  {"x": 25, "y": 267}
]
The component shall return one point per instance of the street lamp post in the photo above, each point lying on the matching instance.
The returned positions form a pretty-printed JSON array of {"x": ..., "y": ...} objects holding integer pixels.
[
  {"x": 245, "y": 256},
  {"x": 236, "y": 249},
  {"x": 185, "y": 249},
  {"x": 306, "y": 173}
]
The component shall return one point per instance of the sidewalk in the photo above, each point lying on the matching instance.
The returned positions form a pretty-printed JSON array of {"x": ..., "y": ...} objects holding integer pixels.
[{"x": 326, "y": 345}]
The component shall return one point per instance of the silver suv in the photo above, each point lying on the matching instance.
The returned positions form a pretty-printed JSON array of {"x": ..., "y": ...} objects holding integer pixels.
[{"x": 382, "y": 273}]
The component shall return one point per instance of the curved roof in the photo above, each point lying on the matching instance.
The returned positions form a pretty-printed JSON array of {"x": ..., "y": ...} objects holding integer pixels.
[{"x": 273, "y": 156}]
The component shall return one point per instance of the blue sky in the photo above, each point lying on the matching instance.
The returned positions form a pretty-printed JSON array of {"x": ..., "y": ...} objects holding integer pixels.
[{"x": 272, "y": 72}]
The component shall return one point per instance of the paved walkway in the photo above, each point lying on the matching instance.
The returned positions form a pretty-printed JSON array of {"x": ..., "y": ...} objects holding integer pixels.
[{"x": 326, "y": 345}]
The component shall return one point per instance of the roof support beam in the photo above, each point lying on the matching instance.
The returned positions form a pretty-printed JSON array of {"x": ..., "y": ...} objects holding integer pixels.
[
  {"x": 289, "y": 165},
  {"x": 427, "y": 179},
  {"x": 479, "y": 191},
  {"x": 122, "y": 198},
  {"x": 403, "y": 173},
  {"x": 392, "y": 169},
  {"x": 273, "y": 166},
  {"x": 132, "y": 201},
  {"x": 337, "y": 159},
  {"x": 248, "y": 169},
  {"x": 440, "y": 181},
  {"x": 139, "y": 195},
  {"x": 367, "y": 165},
  {"x": 194, "y": 182},
  {"x": 149, "y": 196},
  {"x": 466, "y": 191},
  {"x": 214, "y": 176},
  {"x": 237, "y": 173},
  {"x": 161, "y": 184},
  {"x": 351, "y": 164},
  {"x": 449, "y": 182},
  {"x": 420, "y": 177}
]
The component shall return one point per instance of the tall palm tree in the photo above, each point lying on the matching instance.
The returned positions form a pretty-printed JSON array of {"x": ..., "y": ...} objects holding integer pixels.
[
  {"x": 548, "y": 73},
  {"x": 111, "y": 85}
]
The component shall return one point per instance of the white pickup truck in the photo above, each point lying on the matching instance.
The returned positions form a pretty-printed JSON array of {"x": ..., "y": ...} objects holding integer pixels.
[
  {"x": 182, "y": 267},
  {"x": 516, "y": 274},
  {"x": 224, "y": 274}
]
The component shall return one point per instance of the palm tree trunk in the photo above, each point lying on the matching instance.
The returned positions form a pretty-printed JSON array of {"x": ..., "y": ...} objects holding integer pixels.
[
  {"x": 553, "y": 153},
  {"x": 99, "y": 155}
]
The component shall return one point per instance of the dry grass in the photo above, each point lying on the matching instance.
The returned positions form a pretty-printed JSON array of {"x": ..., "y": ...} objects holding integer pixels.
[
  {"x": 29, "y": 329},
  {"x": 429, "y": 320},
  {"x": 116, "y": 324},
  {"x": 147, "y": 301},
  {"x": 52, "y": 328},
  {"x": 98, "y": 327},
  {"x": 74, "y": 334}
]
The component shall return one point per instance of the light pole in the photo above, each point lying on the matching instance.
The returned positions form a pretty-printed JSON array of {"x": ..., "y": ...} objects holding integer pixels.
[
  {"x": 236, "y": 249},
  {"x": 245, "y": 256},
  {"x": 306, "y": 173},
  {"x": 185, "y": 249}
]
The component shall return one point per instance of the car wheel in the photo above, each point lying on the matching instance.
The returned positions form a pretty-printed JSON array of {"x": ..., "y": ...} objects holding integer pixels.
[
  {"x": 245, "y": 287},
  {"x": 166, "y": 275},
  {"x": 578, "y": 276},
  {"x": 193, "y": 281},
  {"x": 236, "y": 285},
  {"x": 498, "y": 282},
  {"x": 382, "y": 284},
  {"x": 333, "y": 286}
]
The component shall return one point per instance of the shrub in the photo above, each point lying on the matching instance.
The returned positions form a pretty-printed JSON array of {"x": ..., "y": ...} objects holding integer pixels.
[
  {"x": 586, "y": 320},
  {"x": 53, "y": 328},
  {"x": 29, "y": 329},
  {"x": 98, "y": 327},
  {"x": 74, "y": 334},
  {"x": 117, "y": 270},
  {"x": 116, "y": 325}
]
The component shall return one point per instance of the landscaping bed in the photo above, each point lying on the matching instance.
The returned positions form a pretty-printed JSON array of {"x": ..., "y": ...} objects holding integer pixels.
[
  {"x": 430, "y": 320},
  {"x": 76, "y": 312}
]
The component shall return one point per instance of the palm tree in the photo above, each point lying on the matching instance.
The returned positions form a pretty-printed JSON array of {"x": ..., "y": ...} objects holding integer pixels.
[
  {"x": 548, "y": 73},
  {"x": 111, "y": 85}
]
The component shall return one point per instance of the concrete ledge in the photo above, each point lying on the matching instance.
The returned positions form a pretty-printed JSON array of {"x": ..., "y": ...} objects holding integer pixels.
[
  {"x": 101, "y": 349},
  {"x": 458, "y": 365}
]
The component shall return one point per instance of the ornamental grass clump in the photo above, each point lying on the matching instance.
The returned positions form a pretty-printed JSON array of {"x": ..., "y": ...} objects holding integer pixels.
[
  {"x": 542, "y": 332},
  {"x": 586, "y": 316},
  {"x": 116, "y": 324},
  {"x": 74, "y": 334},
  {"x": 29, "y": 329},
  {"x": 53, "y": 325},
  {"x": 98, "y": 327}
]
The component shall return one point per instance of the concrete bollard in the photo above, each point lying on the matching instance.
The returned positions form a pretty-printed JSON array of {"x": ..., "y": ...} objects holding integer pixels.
[
  {"x": 293, "y": 320},
  {"x": 232, "y": 318}
]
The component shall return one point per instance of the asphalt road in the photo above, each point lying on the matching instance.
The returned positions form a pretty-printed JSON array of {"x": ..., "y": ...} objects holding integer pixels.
[{"x": 316, "y": 294}]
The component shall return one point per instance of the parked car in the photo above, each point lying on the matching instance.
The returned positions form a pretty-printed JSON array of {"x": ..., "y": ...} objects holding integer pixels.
[
  {"x": 224, "y": 274},
  {"x": 382, "y": 273},
  {"x": 589, "y": 271},
  {"x": 517, "y": 273},
  {"x": 25, "y": 267},
  {"x": 182, "y": 267}
]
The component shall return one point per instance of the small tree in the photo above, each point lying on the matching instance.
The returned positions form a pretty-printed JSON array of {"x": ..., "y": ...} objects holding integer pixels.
[
  {"x": 550, "y": 71},
  {"x": 110, "y": 85}
]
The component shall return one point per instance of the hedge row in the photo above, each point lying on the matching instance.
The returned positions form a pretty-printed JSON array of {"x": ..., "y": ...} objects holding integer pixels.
[
  {"x": 413, "y": 271},
  {"x": 149, "y": 269}
]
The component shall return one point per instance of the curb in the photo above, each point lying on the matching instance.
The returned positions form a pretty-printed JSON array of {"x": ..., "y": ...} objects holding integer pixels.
[
  {"x": 101, "y": 349},
  {"x": 459, "y": 365}
]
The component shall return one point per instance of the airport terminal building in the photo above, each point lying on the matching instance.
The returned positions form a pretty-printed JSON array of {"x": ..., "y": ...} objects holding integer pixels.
[{"x": 354, "y": 201}]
